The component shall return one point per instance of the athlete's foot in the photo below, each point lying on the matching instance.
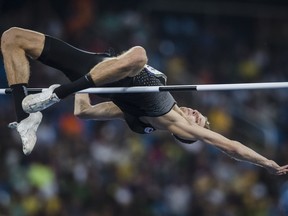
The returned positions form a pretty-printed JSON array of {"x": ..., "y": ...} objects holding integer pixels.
[
  {"x": 37, "y": 102},
  {"x": 27, "y": 129}
]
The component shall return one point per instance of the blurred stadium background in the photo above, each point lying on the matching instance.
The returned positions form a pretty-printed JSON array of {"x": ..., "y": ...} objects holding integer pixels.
[{"x": 94, "y": 168}]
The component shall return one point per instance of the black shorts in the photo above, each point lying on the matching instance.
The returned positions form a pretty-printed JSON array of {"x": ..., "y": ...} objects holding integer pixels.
[{"x": 73, "y": 62}]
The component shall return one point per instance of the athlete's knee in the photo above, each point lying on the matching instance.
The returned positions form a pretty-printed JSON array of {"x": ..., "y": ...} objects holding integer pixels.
[
  {"x": 10, "y": 38},
  {"x": 136, "y": 61},
  {"x": 140, "y": 56}
]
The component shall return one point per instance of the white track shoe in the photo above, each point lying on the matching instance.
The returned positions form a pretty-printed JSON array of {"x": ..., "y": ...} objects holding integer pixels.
[
  {"x": 37, "y": 102},
  {"x": 27, "y": 129}
]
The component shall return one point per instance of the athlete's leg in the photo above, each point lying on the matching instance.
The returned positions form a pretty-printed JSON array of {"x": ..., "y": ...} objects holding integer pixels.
[
  {"x": 17, "y": 45},
  {"x": 109, "y": 70},
  {"x": 102, "y": 68}
]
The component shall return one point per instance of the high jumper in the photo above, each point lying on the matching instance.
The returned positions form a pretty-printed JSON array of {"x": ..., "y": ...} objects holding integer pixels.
[{"x": 143, "y": 112}]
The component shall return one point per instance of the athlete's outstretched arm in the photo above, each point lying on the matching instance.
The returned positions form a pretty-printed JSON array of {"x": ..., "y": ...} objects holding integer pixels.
[
  {"x": 233, "y": 148},
  {"x": 185, "y": 130},
  {"x": 101, "y": 111}
]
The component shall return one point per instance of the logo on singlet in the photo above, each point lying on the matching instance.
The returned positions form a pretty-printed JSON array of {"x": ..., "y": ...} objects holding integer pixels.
[
  {"x": 160, "y": 75},
  {"x": 148, "y": 129}
]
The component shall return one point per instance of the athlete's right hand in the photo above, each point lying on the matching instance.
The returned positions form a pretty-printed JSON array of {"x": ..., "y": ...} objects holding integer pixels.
[{"x": 275, "y": 169}]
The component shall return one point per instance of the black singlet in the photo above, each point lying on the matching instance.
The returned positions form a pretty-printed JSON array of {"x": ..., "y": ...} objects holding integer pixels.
[{"x": 135, "y": 105}]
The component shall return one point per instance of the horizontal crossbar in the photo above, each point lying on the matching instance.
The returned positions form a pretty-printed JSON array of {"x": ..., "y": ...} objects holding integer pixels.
[{"x": 171, "y": 88}]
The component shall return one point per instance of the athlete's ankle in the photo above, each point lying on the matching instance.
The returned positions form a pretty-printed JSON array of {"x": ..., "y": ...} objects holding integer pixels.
[
  {"x": 73, "y": 87},
  {"x": 19, "y": 92}
]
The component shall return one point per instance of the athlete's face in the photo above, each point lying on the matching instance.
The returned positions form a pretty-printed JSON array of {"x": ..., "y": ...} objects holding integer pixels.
[{"x": 194, "y": 116}]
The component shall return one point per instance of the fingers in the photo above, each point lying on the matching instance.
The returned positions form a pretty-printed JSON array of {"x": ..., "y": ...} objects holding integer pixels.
[{"x": 283, "y": 170}]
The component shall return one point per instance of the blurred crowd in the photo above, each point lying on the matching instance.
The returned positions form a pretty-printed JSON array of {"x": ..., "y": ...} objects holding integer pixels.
[{"x": 95, "y": 168}]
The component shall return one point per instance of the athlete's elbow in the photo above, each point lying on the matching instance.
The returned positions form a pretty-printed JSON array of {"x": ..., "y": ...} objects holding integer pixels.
[
  {"x": 81, "y": 114},
  {"x": 80, "y": 111}
]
